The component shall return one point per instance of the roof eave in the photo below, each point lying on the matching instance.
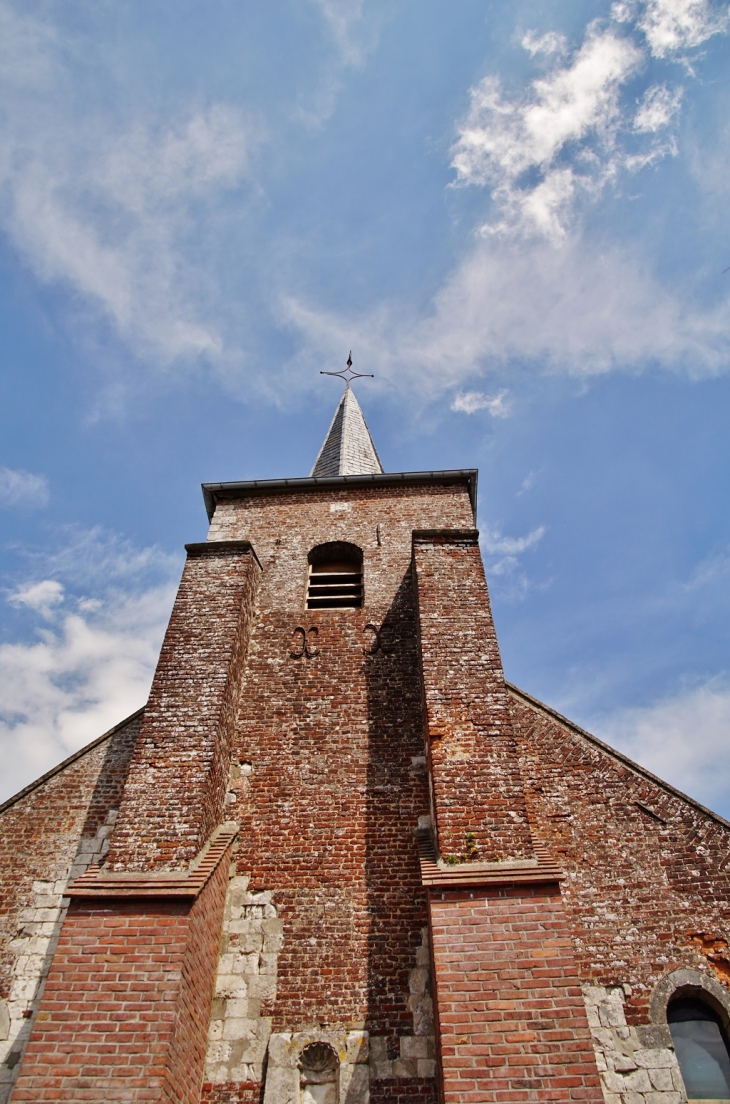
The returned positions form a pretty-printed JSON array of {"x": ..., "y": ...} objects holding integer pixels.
[{"x": 211, "y": 491}]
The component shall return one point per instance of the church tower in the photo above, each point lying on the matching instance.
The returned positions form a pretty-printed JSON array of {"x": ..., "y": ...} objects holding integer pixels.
[{"x": 346, "y": 862}]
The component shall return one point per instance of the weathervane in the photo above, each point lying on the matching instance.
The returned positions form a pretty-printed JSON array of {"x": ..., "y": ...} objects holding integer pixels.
[{"x": 347, "y": 373}]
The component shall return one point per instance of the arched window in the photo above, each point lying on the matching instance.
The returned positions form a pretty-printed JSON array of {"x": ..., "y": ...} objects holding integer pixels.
[
  {"x": 699, "y": 1040},
  {"x": 335, "y": 576},
  {"x": 319, "y": 1069}
]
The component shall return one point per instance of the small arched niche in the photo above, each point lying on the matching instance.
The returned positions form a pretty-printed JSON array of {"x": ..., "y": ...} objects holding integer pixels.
[
  {"x": 319, "y": 1070},
  {"x": 335, "y": 576}
]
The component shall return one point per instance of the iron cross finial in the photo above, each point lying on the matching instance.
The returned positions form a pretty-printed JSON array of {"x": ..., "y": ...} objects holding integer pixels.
[{"x": 347, "y": 373}]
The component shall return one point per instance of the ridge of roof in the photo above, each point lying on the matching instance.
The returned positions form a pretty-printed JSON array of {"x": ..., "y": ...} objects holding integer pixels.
[
  {"x": 618, "y": 755},
  {"x": 348, "y": 448},
  {"x": 71, "y": 759}
]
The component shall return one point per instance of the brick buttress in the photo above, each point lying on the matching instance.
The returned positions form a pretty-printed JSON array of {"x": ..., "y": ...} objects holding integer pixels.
[
  {"x": 512, "y": 1022},
  {"x": 124, "y": 1014}
]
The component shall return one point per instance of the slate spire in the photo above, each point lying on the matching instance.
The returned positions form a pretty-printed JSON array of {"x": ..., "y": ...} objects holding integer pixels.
[{"x": 348, "y": 448}]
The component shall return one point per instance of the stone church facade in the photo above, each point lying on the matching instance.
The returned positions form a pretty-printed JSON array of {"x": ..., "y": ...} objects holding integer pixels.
[{"x": 337, "y": 858}]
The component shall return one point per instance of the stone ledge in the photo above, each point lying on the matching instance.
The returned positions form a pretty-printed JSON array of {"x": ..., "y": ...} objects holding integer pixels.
[
  {"x": 221, "y": 548},
  {"x": 98, "y": 882},
  {"x": 538, "y": 871}
]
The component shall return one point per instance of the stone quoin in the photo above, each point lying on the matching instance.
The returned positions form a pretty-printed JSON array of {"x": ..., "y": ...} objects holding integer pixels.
[{"x": 338, "y": 859}]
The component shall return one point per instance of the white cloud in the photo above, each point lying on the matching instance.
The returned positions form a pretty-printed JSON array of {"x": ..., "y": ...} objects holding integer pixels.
[
  {"x": 501, "y": 139},
  {"x": 674, "y": 25},
  {"x": 21, "y": 488},
  {"x": 658, "y": 107},
  {"x": 547, "y": 44},
  {"x": 92, "y": 662},
  {"x": 683, "y": 739},
  {"x": 106, "y": 208},
  {"x": 468, "y": 402},
  {"x": 41, "y": 597}
]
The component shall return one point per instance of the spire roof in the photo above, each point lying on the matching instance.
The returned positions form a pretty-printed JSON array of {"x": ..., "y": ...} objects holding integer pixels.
[{"x": 348, "y": 448}]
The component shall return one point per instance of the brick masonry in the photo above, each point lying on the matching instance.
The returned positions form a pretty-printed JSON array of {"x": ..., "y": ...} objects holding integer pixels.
[
  {"x": 512, "y": 1020},
  {"x": 478, "y": 804},
  {"x": 178, "y": 777}
]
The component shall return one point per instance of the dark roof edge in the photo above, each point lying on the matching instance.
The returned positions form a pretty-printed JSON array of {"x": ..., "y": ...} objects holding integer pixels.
[
  {"x": 71, "y": 759},
  {"x": 624, "y": 759},
  {"x": 314, "y": 483}
]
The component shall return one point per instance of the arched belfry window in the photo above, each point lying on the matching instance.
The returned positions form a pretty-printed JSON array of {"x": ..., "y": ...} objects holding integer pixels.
[
  {"x": 700, "y": 1042},
  {"x": 335, "y": 576},
  {"x": 319, "y": 1069}
]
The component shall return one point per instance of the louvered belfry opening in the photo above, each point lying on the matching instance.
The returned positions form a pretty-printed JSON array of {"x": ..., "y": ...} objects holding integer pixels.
[{"x": 335, "y": 577}]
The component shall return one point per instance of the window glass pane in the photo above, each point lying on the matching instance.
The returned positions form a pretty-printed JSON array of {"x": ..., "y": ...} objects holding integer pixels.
[{"x": 701, "y": 1051}]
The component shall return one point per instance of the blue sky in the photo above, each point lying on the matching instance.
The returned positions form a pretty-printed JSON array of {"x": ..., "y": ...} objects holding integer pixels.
[{"x": 515, "y": 214}]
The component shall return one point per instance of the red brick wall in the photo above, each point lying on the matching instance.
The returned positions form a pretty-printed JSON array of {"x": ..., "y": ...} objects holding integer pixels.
[
  {"x": 513, "y": 1024},
  {"x": 108, "y": 1013},
  {"x": 477, "y": 791},
  {"x": 178, "y": 777},
  {"x": 413, "y": 1090},
  {"x": 125, "y": 1012},
  {"x": 335, "y": 745},
  {"x": 648, "y": 887},
  {"x": 186, "y": 1060},
  {"x": 39, "y": 833}
]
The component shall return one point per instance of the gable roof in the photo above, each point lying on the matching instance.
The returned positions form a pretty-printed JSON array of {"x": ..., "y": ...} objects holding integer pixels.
[
  {"x": 624, "y": 760},
  {"x": 68, "y": 762}
]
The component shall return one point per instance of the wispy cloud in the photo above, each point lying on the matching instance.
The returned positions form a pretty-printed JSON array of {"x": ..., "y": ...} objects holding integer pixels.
[
  {"x": 538, "y": 286},
  {"x": 502, "y": 556},
  {"x": 105, "y": 208},
  {"x": 581, "y": 309},
  {"x": 547, "y": 44},
  {"x": 711, "y": 568},
  {"x": 90, "y": 660},
  {"x": 658, "y": 107},
  {"x": 672, "y": 26},
  {"x": 21, "y": 488},
  {"x": 683, "y": 739},
  {"x": 469, "y": 402},
  {"x": 352, "y": 34},
  {"x": 41, "y": 597},
  {"x": 527, "y": 483}
]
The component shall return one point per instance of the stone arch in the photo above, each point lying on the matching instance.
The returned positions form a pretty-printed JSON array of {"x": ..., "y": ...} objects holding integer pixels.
[
  {"x": 319, "y": 1074},
  {"x": 689, "y": 983}
]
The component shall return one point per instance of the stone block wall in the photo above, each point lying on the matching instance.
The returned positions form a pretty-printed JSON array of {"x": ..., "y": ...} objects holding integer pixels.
[
  {"x": 245, "y": 989},
  {"x": 637, "y": 1064}
]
